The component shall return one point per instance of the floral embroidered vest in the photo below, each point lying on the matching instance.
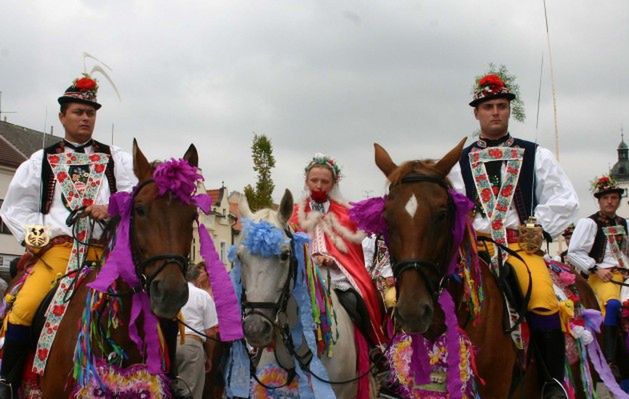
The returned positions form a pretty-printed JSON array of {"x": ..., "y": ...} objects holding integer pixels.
[
  {"x": 48, "y": 178},
  {"x": 600, "y": 241},
  {"x": 524, "y": 199}
]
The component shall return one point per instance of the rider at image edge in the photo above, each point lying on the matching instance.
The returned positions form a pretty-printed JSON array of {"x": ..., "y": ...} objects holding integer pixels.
[
  {"x": 518, "y": 179},
  {"x": 34, "y": 198}
]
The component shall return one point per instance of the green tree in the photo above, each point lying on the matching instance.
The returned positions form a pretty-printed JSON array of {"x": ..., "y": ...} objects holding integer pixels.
[
  {"x": 263, "y": 162},
  {"x": 517, "y": 106}
]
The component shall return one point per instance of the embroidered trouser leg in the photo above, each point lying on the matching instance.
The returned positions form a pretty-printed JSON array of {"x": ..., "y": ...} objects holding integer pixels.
[{"x": 45, "y": 272}]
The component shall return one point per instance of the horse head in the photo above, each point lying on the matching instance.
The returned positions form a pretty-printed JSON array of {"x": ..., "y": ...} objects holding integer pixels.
[
  {"x": 265, "y": 255},
  {"x": 161, "y": 237},
  {"x": 419, "y": 215}
]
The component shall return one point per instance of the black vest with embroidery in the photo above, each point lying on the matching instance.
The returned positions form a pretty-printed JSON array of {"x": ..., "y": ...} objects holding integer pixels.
[
  {"x": 48, "y": 181},
  {"x": 600, "y": 241},
  {"x": 524, "y": 199}
]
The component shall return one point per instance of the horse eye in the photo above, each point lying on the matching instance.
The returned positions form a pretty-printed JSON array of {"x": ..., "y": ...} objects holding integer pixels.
[
  {"x": 284, "y": 255},
  {"x": 140, "y": 210},
  {"x": 441, "y": 216}
]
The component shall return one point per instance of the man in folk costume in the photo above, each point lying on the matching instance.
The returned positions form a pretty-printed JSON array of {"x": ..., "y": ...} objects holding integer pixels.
[
  {"x": 598, "y": 248},
  {"x": 77, "y": 174},
  {"x": 511, "y": 180},
  {"x": 336, "y": 246}
]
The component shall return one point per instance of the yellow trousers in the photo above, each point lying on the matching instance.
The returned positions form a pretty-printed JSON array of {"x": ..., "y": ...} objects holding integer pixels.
[
  {"x": 605, "y": 290},
  {"x": 43, "y": 275},
  {"x": 543, "y": 300}
]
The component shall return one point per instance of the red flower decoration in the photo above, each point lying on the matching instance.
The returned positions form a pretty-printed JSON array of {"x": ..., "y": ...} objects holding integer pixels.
[
  {"x": 514, "y": 153},
  {"x": 85, "y": 84},
  {"x": 496, "y": 224},
  {"x": 500, "y": 207},
  {"x": 495, "y": 153},
  {"x": 53, "y": 159},
  {"x": 88, "y": 202},
  {"x": 57, "y": 310},
  {"x": 507, "y": 190},
  {"x": 94, "y": 157},
  {"x": 42, "y": 354},
  {"x": 485, "y": 195},
  {"x": 61, "y": 176},
  {"x": 495, "y": 190},
  {"x": 99, "y": 168},
  {"x": 491, "y": 80}
]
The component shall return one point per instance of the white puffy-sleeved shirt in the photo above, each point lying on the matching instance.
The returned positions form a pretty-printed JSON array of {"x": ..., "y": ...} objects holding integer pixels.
[
  {"x": 22, "y": 202},
  {"x": 557, "y": 201},
  {"x": 581, "y": 244},
  {"x": 199, "y": 312}
]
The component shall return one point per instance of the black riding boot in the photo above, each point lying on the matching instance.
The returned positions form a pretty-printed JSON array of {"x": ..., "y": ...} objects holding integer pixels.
[
  {"x": 550, "y": 348},
  {"x": 170, "y": 328},
  {"x": 15, "y": 351},
  {"x": 610, "y": 345}
]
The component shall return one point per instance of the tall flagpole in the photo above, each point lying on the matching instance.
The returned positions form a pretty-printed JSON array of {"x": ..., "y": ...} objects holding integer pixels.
[{"x": 552, "y": 81}]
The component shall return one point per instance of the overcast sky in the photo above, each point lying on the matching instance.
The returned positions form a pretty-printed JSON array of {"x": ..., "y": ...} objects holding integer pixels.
[{"x": 321, "y": 76}]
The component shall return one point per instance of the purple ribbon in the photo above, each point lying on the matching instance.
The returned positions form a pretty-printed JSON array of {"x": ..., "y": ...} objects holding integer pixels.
[
  {"x": 420, "y": 363},
  {"x": 227, "y": 309},
  {"x": 593, "y": 319},
  {"x": 462, "y": 208},
  {"x": 119, "y": 264}
]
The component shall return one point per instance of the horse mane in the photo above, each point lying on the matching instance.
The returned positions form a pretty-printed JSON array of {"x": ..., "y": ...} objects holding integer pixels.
[{"x": 425, "y": 167}]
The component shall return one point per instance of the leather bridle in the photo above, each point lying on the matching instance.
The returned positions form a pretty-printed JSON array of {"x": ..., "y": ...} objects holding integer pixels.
[
  {"x": 421, "y": 266},
  {"x": 136, "y": 253},
  {"x": 278, "y": 307}
]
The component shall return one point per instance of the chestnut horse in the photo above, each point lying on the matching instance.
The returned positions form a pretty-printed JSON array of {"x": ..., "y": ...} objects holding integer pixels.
[{"x": 160, "y": 240}]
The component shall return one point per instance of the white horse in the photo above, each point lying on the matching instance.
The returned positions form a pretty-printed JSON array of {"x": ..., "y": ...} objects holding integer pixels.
[{"x": 268, "y": 304}]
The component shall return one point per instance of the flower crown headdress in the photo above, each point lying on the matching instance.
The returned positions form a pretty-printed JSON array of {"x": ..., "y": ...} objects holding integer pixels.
[{"x": 320, "y": 159}]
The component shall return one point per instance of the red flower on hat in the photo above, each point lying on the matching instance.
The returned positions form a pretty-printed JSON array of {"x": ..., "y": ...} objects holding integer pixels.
[
  {"x": 85, "y": 84},
  {"x": 491, "y": 80}
]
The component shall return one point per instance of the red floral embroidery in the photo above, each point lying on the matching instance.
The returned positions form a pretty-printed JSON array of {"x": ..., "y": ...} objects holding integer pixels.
[
  {"x": 42, "y": 354},
  {"x": 88, "y": 202},
  {"x": 53, "y": 159},
  {"x": 512, "y": 170},
  {"x": 94, "y": 157},
  {"x": 507, "y": 191},
  {"x": 514, "y": 153},
  {"x": 475, "y": 157},
  {"x": 61, "y": 176},
  {"x": 496, "y": 224},
  {"x": 81, "y": 235},
  {"x": 495, "y": 190},
  {"x": 495, "y": 153},
  {"x": 481, "y": 177},
  {"x": 57, "y": 310},
  {"x": 501, "y": 207},
  {"x": 99, "y": 168},
  {"x": 485, "y": 195}
]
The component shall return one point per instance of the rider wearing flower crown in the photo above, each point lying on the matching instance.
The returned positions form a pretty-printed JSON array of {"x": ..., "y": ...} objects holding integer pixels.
[
  {"x": 599, "y": 249},
  {"x": 336, "y": 245},
  {"x": 511, "y": 180},
  {"x": 76, "y": 173}
]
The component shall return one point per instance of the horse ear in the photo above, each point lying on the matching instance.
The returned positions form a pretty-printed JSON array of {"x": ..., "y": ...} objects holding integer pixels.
[
  {"x": 446, "y": 163},
  {"x": 286, "y": 207},
  {"x": 383, "y": 160},
  {"x": 191, "y": 156},
  {"x": 141, "y": 166},
  {"x": 243, "y": 206}
]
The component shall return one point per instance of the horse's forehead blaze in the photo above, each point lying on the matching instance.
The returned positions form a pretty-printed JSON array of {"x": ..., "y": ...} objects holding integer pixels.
[{"x": 411, "y": 205}]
